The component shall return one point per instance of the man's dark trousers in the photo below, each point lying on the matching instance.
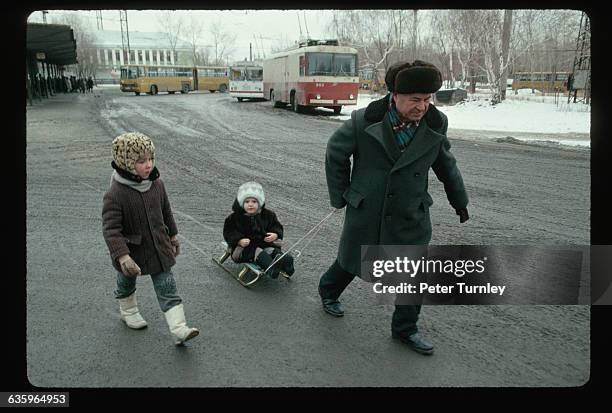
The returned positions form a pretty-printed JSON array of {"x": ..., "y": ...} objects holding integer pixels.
[{"x": 336, "y": 279}]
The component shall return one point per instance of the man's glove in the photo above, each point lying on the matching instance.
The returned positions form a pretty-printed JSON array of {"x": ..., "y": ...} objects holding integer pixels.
[
  {"x": 463, "y": 215},
  {"x": 176, "y": 247},
  {"x": 128, "y": 266}
]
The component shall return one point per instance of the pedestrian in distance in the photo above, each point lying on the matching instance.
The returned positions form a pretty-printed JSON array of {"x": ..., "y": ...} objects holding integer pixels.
[
  {"x": 141, "y": 234},
  {"x": 394, "y": 142},
  {"x": 254, "y": 233}
]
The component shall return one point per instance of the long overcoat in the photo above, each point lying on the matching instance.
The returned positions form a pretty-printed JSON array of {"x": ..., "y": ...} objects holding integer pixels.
[
  {"x": 139, "y": 224},
  {"x": 385, "y": 192}
]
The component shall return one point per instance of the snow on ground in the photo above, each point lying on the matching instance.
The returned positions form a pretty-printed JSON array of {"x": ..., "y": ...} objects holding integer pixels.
[{"x": 525, "y": 112}]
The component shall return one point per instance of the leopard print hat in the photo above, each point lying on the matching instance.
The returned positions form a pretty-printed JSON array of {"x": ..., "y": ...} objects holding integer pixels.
[{"x": 129, "y": 147}]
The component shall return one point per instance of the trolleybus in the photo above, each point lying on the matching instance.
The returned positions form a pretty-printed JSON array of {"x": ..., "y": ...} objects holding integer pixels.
[
  {"x": 246, "y": 80},
  {"x": 543, "y": 81},
  {"x": 153, "y": 79},
  {"x": 211, "y": 78},
  {"x": 315, "y": 73}
]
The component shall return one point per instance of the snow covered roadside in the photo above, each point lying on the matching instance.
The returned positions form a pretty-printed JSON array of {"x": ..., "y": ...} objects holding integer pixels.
[{"x": 518, "y": 113}]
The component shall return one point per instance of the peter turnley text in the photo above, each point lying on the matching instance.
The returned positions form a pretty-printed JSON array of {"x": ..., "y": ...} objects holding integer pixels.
[{"x": 425, "y": 288}]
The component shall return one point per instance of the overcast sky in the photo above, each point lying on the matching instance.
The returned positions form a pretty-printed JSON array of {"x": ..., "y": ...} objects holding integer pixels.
[{"x": 272, "y": 28}]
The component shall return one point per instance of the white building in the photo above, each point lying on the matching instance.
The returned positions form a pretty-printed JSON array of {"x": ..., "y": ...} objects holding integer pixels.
[{"x": 145, "y": 48}]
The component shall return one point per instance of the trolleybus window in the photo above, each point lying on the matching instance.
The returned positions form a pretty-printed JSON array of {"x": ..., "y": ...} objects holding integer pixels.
[
  {"x": 319, "y": 63},
  {"x": 331, "y": 64},
  {"x": 130, "y": 73},
  {"x": 344, "y": 64},
  {"x": 255, "y": 74},
  {"x": 251, "y": 73}
]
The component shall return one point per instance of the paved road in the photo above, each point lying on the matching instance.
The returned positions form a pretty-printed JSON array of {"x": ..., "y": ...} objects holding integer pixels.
[{"x": 276, "y": 334}]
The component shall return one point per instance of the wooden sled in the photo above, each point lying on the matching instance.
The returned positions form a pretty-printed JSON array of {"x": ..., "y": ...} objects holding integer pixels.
[{"x": 250, "y": 272}]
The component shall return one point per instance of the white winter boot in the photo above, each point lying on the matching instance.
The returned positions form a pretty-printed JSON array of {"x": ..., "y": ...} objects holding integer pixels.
[
  {"x": 128, "y": 308},
  {"x": 175, "y": 317}
]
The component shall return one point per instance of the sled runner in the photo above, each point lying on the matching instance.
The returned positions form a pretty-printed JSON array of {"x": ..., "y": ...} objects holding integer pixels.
[{"x": 250, "y": 272}]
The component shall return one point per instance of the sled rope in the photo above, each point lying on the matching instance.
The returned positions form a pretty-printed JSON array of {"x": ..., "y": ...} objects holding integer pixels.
[{"x": 318, "y": 225}]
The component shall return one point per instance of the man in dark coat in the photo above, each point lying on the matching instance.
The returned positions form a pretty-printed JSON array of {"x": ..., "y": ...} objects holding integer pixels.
[{"x": 393, "y": 143}]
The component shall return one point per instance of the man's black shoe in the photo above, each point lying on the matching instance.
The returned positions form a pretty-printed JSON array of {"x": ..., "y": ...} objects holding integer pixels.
[
  {"x": 332, "y": 307},
  {"x": 416, "y": 342}
]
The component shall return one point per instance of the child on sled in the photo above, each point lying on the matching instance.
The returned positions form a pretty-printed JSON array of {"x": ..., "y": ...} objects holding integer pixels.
[{"x": 253, "y": 232}]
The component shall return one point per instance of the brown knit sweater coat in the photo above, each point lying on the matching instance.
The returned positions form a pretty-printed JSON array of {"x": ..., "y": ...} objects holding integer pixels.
[{"x": 139, "y": 224}]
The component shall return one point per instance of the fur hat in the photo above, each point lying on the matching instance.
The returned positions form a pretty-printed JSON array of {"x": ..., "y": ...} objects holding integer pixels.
[
  {"x": 419, "y": 77},
  {"x": 251, "y": 190},
  {"x": 129, "y": 147},
  {"x": 392, "y": 72}
]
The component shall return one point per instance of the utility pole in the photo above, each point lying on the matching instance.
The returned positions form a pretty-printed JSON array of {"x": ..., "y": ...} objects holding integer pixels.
[
  {"x": 506, "y": 30},
  {"x": 257, "y": 46},
  {"x": 125, "y": 36},
  {"x": 99, "y": 19},
  {"x": 263, "y": 50},
  {"x": 250, "y": 52},
  {"x": 581, "y": 71},
  {"x": 44, "y": 14}
]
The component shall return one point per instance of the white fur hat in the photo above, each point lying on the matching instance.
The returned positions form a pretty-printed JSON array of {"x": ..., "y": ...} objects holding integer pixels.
[{"x": 251, "y": 190}]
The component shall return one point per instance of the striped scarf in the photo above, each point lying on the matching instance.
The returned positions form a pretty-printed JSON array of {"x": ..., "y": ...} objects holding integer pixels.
[{"x": 404, "y": 132}]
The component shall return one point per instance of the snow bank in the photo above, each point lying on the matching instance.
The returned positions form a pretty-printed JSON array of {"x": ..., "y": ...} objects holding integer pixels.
[{"x": 524, "y": 112}]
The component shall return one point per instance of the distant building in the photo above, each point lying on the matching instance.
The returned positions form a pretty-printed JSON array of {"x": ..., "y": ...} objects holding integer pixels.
[{"x": 148, "y": 48}]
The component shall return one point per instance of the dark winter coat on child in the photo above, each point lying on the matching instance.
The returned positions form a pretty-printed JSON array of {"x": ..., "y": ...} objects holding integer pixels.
[
  {"x": 139, "y": 224},
  {"x": 239, "y": 225}
]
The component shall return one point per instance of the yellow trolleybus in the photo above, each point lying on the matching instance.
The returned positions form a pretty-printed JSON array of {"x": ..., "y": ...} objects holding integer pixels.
[
  {"x": 153, "y": 79},
  {"x": 211, "y": 78},
  {"x": 545, "y": 82}
]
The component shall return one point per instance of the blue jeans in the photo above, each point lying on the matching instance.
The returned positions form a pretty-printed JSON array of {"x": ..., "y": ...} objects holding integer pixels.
[{"x": 163, "y": 282}]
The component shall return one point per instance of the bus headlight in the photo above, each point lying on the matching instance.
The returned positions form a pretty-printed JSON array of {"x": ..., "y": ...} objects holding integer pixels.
[
  {"x": 351, "y": 97},
  {"x": 318, "y": 97}
]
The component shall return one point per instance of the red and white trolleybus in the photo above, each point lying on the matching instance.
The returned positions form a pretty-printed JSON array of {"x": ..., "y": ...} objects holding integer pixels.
[{"x": 315, "y": 73}]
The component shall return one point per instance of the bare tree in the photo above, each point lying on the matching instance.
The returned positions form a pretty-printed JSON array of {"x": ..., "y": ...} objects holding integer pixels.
[
  {"x": 504, "y": 58},
  {"x": 380, "y": 35},
  {"x": 84, "y": 37},
  {"x": 280, "y": 43},
  {"x": 415, "y": 33},
  {"x": 203, "y": 56},
  {"x": 193, "y": 35},
  {"x": 444, "y": 41},
  {"x": 494, "y": 46},
  {"x": 223, "y": 43},
  {"x": 472, "y": 45},
  {"x": 172, "y": 27},
  {"x": 376, "y": 34}
]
